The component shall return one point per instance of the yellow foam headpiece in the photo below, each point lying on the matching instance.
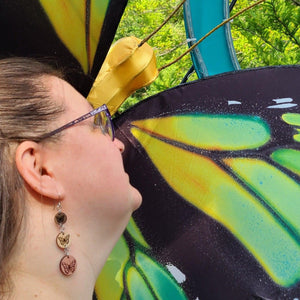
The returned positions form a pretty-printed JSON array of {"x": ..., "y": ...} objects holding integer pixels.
[{"x": 127, "y": 67}]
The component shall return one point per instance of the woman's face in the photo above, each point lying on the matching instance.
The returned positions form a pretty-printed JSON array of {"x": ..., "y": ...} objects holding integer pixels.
[{"x": 89, "y": 164}]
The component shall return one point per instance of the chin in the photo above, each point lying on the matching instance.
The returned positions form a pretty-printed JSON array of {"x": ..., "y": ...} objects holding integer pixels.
[{"x": 136, "y": 198}]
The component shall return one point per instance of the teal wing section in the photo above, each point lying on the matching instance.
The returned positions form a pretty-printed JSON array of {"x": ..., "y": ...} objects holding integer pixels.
[{"x": 216, "y": 53}]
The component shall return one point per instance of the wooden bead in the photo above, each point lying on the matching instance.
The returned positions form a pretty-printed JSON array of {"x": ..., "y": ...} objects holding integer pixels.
[
  {"x": 60, "y": 218},
  {"x": 63, "y": 240},
  {"x": 68, "y": 265}
]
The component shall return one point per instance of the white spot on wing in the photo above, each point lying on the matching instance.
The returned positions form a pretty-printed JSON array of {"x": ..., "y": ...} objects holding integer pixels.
[
  {"x": 177, "y": 274},
  {"x": 283, "y": 100},
  {"x": 285, "y": 105},
  {"x": 231, "y": 102}
]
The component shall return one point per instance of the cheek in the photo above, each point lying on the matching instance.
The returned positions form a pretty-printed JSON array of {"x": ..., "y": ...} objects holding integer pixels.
[
  {"x": 109, "y": 199},
  {"x": 104, "y": 172},
  {"x": 94, "y": 170}
]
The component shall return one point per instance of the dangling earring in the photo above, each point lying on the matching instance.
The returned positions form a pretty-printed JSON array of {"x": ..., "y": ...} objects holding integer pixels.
[{"x": 67, "y": 264}]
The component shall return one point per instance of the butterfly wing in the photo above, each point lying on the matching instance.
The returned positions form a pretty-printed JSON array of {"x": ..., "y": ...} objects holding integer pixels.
[
  {"x": 201, "y": 17},
  {"x": 217, "y": 162},
  {"x": 75, "y": 35}
]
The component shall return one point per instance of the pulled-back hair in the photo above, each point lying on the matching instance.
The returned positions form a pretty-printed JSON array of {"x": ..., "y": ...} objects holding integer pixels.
[{"x": 26, "y": 111}]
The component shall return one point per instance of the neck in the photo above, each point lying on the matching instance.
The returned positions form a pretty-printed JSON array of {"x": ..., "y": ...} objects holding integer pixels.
[{"x": 36, "y": 272}]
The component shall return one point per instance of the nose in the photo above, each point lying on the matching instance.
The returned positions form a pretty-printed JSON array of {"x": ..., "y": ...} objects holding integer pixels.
[{"x": 119, "y": 145}]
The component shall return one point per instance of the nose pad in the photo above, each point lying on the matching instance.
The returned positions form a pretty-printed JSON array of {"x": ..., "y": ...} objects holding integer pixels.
[{"x": 119, "y": 145}]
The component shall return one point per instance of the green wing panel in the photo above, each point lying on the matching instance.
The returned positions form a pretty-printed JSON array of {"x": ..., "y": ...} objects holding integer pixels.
[
  {"x": 219, "y": 134},
  {"x": 200, "y": 181},
  {"x": 288, "y": 158},
  {"x": 274, "y": 187}
]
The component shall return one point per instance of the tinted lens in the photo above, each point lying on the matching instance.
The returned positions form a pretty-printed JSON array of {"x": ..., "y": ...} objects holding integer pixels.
[{"x": 102, "y": 119}]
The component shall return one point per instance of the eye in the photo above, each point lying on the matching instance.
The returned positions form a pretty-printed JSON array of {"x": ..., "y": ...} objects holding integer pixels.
[{"x": 100, "y": 120}]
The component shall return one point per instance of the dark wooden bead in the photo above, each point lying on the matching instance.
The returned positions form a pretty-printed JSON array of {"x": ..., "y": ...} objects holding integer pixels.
[{"x": 60, "y": 218}]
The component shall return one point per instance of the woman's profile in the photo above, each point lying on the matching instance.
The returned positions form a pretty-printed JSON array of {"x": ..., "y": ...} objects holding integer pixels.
[{"x": 65, "y": 197}]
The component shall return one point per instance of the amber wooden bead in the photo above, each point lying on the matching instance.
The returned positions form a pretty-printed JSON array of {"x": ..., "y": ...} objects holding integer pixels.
[{"x": 63, "y": 240}]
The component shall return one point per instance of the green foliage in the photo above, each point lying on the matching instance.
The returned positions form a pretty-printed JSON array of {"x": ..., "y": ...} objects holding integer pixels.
[{"x": 267, "y": 35}]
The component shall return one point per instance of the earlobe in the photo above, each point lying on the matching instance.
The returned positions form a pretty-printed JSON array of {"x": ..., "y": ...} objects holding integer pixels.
[{"x": 33, "y": 169}]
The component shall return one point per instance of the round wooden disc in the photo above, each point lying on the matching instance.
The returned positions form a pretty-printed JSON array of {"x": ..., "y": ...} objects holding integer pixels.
[
  {"x": 63, "y": 240},
  {"x": 68, "y": 265}
]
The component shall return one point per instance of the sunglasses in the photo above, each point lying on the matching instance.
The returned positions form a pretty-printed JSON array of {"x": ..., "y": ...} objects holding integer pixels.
[{"x": 102, "y": 118}]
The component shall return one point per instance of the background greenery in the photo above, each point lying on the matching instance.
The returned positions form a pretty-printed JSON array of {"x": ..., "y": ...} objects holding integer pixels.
[{"x": 269, "y": 34}]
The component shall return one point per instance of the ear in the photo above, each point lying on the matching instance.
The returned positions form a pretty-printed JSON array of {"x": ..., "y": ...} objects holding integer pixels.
[{"x": 33, "y": 169}]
